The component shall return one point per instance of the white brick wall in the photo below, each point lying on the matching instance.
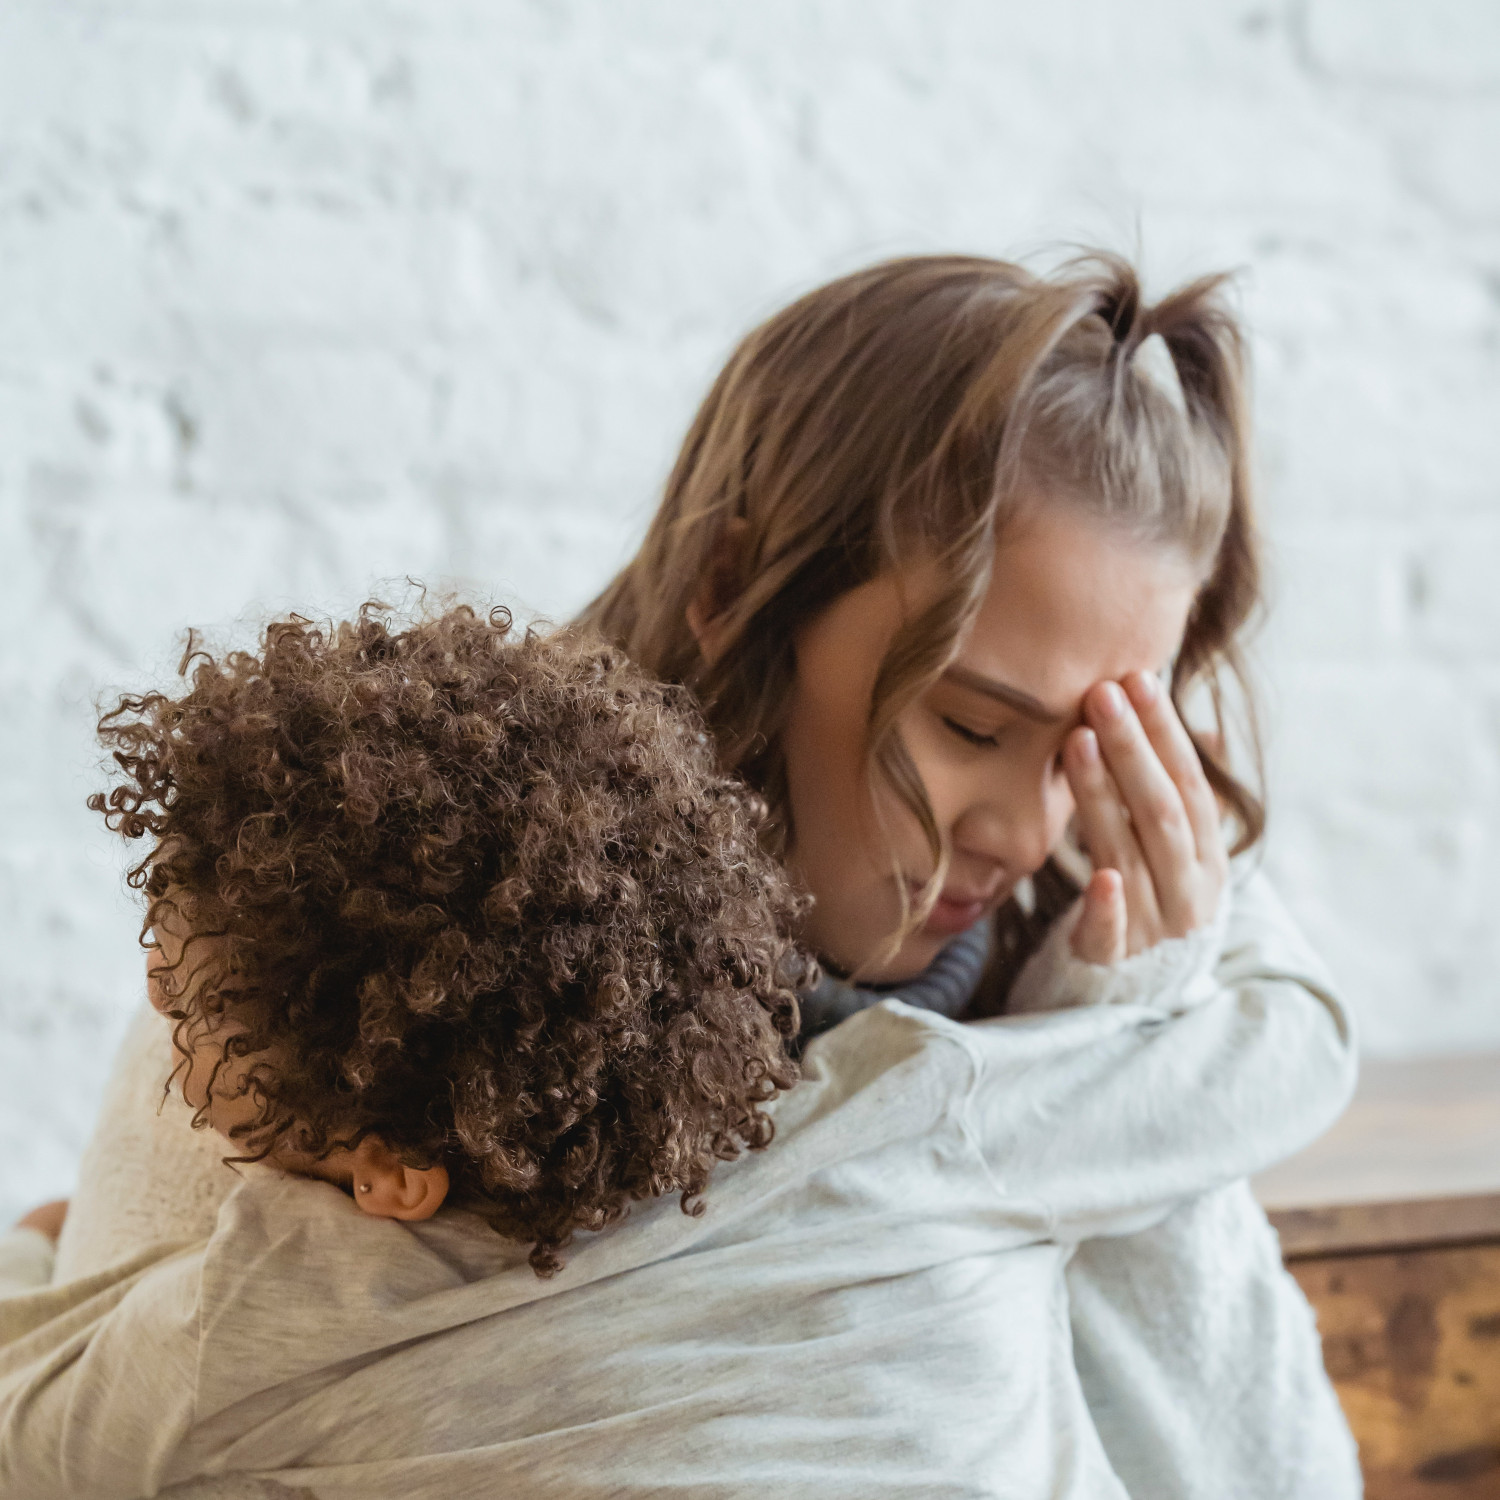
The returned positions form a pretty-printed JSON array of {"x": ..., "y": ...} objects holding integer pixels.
[{"x": 294, "y": 298}]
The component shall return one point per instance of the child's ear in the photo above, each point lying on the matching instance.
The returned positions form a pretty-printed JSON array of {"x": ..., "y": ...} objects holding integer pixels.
[
  {"x": 386, "y": 1188},
  {"x": 718, "y": 589}
]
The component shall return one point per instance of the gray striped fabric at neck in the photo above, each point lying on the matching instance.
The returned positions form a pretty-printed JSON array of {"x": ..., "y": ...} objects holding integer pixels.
[{"x": 946, "y": 985}]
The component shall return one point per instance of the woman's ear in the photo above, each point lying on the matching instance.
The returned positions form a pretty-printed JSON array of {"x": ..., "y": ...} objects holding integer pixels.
[
  {"x": 718, "y": 589},
  {"x": 386, "y": 1188}
]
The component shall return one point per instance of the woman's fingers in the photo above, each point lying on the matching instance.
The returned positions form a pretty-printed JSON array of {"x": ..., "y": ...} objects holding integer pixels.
[
  {"x": 1107, "y": 832},
  {"x": 1100, "y": 936},
  {"x": 1148, "y": 818},
  {"x": 1157, "y": 814},
  {"x": 1179, "y": 757}
]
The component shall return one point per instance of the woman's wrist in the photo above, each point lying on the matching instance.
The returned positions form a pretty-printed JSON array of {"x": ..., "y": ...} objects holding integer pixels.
[{"x": 1171, "y": 976}]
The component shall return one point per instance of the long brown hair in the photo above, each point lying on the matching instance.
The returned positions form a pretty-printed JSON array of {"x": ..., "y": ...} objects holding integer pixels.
[{"x": 911, "y": 410}]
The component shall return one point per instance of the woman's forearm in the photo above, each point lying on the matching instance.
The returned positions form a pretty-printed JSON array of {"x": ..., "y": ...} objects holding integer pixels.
[{"x": 1113, "y": 1113}]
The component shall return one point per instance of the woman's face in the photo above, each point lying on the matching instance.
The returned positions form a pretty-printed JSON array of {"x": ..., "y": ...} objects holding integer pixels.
[{"x": 1071, "y": 603}]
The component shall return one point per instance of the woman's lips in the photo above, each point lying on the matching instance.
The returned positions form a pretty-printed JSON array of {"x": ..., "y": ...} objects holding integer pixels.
[{"x": 955, "y": 912}]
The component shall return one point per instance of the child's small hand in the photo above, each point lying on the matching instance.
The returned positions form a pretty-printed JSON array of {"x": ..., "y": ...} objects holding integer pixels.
[
  {"x": 1148, "y": 818},
  {"x": 48, "y": 1218}
]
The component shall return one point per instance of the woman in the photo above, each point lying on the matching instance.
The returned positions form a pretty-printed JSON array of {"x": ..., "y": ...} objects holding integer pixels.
[{"x": 934, "y": 534}]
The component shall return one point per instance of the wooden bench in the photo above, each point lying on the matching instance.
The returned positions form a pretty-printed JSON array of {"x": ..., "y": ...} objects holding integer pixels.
[{"x": 1391, "y": 1224}]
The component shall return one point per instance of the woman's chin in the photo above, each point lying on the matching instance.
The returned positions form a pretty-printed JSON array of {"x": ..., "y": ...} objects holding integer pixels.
[
  {"x": 911, "y": 959},
  {"x": 867, "y": 959}
]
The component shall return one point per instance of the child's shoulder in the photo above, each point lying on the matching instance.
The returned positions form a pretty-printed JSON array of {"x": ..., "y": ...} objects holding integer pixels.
[
  {"x": 293, "y": 1252},
  {"x": 887, "y": 1051},
  {"x": 281, "y": 1222},
  {"x": 889, "y": 1034}
]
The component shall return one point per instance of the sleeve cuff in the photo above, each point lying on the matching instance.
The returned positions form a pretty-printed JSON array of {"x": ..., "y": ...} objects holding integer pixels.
[
  {"x": 1173, "y": 976},
  {"x": 26, "y": 1257}
]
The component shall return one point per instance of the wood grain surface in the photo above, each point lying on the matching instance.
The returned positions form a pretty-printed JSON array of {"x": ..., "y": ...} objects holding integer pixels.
[
  {"x": 1391, "y": 1223},
  {"x": 1412, "y": 1341},
  {"x": 1424, "y": 1128},
  {"x": 1345, "y": 1227}
]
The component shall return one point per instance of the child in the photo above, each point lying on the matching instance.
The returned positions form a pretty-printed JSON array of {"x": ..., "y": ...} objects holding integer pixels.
[
  {"x": 932, "y": 536},
  {"x": 467, "y": 945}
]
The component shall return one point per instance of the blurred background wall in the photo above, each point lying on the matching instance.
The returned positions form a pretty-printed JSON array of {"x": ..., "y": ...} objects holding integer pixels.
[{"x": 296, "y": 300}]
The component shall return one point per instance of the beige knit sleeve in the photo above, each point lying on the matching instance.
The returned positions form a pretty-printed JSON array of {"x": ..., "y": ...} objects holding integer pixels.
[
  {"x": 146, "y": 1175},
  {"x": 26, "y": 1257}
]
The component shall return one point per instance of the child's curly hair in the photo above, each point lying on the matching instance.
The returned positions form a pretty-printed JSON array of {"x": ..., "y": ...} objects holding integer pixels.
[{"x": 486, "y": 895}]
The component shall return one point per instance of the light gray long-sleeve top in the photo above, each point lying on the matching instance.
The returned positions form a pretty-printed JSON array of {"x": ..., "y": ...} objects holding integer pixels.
[{"x": 877, "y": 1304}]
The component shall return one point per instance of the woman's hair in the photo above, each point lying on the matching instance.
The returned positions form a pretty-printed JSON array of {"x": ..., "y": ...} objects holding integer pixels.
[
  {"x": 914, "y": 411},
  {"x": 486, "y": 895}
]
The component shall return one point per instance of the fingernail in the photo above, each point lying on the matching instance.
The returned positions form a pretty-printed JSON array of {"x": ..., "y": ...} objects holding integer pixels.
[
  {"x": 1111, "y": 701},
  {"x": 1088, "y": 747},
  {"x": 1148, "y": 685}
]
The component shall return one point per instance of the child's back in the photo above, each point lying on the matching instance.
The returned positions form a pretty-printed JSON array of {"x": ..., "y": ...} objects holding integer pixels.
[
  {"x": 447, "y": 911},
  {"x": 873, "y": 1306}
]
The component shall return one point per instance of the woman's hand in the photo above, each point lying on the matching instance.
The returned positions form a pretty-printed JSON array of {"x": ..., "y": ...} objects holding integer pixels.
[
  {"x": 1147, "y": 817},
  {"x": 48, "y": 1218}
]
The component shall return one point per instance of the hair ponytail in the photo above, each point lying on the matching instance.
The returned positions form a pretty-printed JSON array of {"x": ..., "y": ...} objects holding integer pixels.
[{"x": 1207, "y": 351}]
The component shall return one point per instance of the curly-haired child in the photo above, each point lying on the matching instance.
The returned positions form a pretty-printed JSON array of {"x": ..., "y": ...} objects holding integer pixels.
[
  {"x": 446, "y": 913},
  {"x": 470, "y": 926},
  {"x": 441, "y": 915}
]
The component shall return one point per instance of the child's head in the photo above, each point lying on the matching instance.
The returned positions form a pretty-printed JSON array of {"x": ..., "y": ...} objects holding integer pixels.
[
  {"x": 927, "y": 479},
  {"x": 451, "y": 901}
]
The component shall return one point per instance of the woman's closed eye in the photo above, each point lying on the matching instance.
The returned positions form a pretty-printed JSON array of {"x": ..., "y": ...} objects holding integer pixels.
[{"x": 988, "y": 740}]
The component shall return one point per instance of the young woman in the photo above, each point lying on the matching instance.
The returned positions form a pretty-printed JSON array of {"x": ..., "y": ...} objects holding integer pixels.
[{"x": 947, "y": 553}]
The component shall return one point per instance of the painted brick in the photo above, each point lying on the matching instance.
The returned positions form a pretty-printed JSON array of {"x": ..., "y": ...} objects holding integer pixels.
[{"x": 298, "y": 301}]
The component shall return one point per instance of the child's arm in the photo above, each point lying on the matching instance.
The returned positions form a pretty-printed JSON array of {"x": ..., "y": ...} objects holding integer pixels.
[
  {"x": 97, "y": 1382},
  {"x": 1197, "y": 1352}
]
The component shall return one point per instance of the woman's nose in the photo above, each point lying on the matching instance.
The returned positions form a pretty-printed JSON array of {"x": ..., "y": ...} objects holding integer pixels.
[{"x": 1020, "y": 831}]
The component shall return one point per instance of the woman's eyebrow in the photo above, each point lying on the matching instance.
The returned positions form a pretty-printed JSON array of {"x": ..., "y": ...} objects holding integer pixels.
[{"x": 1012, "y": 697}]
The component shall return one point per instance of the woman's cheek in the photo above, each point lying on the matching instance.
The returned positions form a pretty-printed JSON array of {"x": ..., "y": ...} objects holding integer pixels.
[{"x": 941, "y": 768}]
